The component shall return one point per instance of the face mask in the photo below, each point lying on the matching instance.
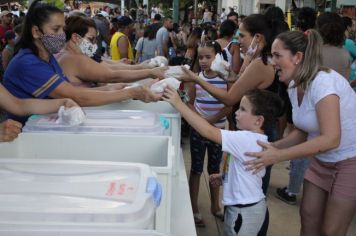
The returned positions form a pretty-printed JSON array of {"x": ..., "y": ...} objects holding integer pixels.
[
  {"x": 251, "y": 51},
  {"x": 53, "y": 42},
  {"x": 87, "y": 47}
]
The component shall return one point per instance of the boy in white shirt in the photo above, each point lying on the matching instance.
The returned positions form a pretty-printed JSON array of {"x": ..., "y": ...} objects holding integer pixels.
[{"x": 244, "y": 201}]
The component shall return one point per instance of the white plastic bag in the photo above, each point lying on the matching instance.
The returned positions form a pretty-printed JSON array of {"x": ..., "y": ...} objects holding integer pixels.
[
  {"x": 175, "y": 71},
  {"x": 161, "y": 85},
  {"x": 70, "y": 116},
  {"x": 220, "y": 65},
  {"x": 158, "y": 61}
]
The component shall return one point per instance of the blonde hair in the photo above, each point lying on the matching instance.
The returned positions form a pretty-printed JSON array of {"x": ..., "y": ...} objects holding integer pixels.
[{"x": 309, "y": 43}]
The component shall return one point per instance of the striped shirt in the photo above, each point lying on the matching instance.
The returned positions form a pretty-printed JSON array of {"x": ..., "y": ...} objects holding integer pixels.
[{"x": 205, "y": 104}]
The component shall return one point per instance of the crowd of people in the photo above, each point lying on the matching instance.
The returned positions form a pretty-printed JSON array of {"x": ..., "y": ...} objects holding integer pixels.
[{"x": 288, "y": 95}]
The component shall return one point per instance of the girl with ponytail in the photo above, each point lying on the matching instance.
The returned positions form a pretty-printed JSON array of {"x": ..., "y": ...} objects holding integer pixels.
[{"x": 324, "y": 115}]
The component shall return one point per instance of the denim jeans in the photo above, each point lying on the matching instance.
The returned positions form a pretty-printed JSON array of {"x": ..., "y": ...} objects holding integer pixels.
[{"x": 296, "y": 174}]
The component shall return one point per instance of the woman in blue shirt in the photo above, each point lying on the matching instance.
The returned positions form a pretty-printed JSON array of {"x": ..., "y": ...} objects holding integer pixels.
[{"x": 35, "y": 73}]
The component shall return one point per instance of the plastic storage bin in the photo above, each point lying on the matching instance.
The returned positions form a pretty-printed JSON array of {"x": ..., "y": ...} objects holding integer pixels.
[
  {"x": 162, "y": 108},
  {"x": 101, "y": 121},
  {"x": 155, "y": 151},
  {"x": 25, "y": 231},
  {"x": 78, "y": 193}
]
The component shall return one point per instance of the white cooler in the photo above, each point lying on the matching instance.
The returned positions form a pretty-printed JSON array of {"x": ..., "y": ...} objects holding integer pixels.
[
  {"x": 155, "y": 151},
  {"x": 77, "y": 194},
  {"x": 164, "y": 109},
  {"x": 119, "y": 122}
]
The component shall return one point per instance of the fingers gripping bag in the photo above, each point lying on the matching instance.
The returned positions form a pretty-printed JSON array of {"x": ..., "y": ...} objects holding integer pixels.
[{"x": 175, "y": 71}]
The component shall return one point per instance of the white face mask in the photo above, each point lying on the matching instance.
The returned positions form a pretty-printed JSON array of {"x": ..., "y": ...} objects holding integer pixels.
[
  {"x": 251, "y": 51},
  {"x": 87, "y": 47}
]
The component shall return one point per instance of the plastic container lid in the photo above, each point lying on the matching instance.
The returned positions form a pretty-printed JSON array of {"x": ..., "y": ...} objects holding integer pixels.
[
  {"x": 77, "y": 193},
  {"x": 25, "y": 231},
  {"x": 102, "y": 121}
]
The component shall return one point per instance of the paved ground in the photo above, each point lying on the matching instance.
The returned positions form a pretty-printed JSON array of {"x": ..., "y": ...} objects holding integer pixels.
[{"x": 284, "y": 218}]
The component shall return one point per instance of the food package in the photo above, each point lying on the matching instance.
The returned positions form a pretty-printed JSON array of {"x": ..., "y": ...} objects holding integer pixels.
[
  {"x": 220, "y": 65},
  {"x": 175, "y": 71},
  {"x": 161, "y": 85},
  {"x": 70, "y": 116},
  {"x": 158, "y": 61}
]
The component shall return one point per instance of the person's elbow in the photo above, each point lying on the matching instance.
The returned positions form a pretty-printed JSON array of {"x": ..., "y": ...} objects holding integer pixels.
[
  {"x": 333, "y": 140},
  {"x": 236, "y": 68}
]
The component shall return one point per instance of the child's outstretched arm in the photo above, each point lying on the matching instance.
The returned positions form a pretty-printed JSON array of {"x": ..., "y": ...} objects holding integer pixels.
[
  {"x": 198, "y": 123},
  {"x": 23, "y": 107}
]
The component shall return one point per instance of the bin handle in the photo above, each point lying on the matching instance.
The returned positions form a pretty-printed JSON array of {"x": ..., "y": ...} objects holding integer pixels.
[
  {"x": 164, "y": 121},
  {"x": 155, "y": 189}
]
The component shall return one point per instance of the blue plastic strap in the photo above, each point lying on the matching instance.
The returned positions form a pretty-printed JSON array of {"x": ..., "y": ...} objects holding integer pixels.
[
  {"x": 154, "y": 188},
  {"x": 164, "y": 121}
]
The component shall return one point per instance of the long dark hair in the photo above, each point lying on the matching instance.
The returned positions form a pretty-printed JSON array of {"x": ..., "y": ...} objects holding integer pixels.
[
  {"x": 259, "y": 24},
  {"x": 212, "y": 44},
  {"x": 38, "y": 14}
]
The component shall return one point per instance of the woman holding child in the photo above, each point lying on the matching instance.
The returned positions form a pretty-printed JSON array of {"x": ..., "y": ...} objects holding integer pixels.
[{"x": 324, "y": 107}]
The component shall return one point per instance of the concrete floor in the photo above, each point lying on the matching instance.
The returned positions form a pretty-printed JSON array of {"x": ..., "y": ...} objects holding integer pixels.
[{"x": 284, "y": 218}]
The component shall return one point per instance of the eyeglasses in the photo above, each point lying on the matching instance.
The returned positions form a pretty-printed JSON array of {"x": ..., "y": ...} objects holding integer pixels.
[{"x": 92, "y": 40}]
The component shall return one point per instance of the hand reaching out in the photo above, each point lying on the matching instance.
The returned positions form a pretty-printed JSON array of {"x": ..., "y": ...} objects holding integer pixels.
[
  {"x": 147, "y": 65},
  {"x": 126, "y": 61},
  {"x": 9, "y": 130},
  {"x": 158, "y": 72},
  {"x": 171, "y": 95},
  {"x": 145, "y": 94},
  {"x": 269, "y": 155},
  {"x": 68, "y": 103},
  {"x": 189, "y": 76}
]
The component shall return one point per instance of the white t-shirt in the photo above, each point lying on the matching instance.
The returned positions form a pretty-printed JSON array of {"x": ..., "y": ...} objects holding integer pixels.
[
  {"x": 241, "y": 186},
  {"x": 223, "y": 16},
  {"x": 154, "y": 11},
  {"x": 305, "y": 116}
]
